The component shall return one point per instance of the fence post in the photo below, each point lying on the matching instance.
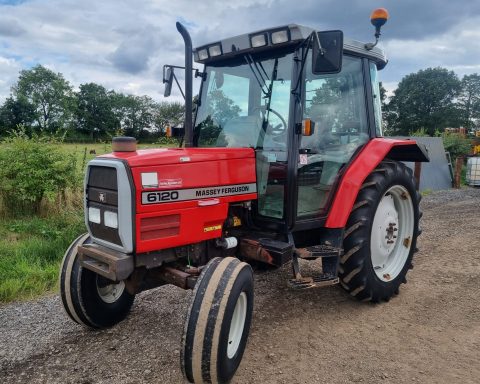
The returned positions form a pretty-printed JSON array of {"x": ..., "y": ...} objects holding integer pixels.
[{"x": 458, "y": 172}]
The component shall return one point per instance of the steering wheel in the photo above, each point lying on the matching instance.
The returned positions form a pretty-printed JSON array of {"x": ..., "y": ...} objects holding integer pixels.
[{"x": 277, "y": 130}]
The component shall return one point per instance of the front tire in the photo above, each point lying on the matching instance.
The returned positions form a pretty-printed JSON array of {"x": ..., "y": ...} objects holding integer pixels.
[
  {"x": 218, "y": 322},
  {"x": 88, "y": 298},
  {"x": 381, "y": 234}
]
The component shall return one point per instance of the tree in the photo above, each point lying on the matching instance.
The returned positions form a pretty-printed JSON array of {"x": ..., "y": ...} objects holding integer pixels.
[
  {"x": 383, "y": 94},
  {"x": 94, "y": 112},
  {"x": 221, "y": 107},
  {"x": 134, "y": 114},
  {"x": 169, "y": 114},
  {"x": 16, "y": 112},
  {"x": 424, "y": 100},
  {"x": 469, "y": 100},
  {"x": 219, "y": 110},
  {"x": 50, "y": 95}
]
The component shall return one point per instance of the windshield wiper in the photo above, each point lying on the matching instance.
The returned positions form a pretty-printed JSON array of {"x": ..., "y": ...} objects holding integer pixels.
[
  {"x": 269, "y": 95},
  {"x": 251, "y": 63}
]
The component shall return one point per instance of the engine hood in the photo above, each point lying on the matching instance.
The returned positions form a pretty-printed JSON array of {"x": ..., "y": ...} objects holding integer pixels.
[{"x": 163, "y": 156}]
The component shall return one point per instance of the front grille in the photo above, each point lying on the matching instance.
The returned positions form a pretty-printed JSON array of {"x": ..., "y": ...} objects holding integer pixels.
[
  {"x": 102, "y": 193},
  {"x": 109, "y": 187}
]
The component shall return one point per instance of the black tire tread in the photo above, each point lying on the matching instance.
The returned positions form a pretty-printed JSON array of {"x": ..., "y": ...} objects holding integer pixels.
[
  {"x": 203, "y": 325},
  {"x": 354, "y": 269},
  {"x": 75, "y": 281}
]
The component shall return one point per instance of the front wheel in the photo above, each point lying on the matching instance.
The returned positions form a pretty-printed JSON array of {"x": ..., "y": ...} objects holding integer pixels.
[
  {"x": 88, "y": 298},
  {"x": 381, "y": 234},
  {"x": 218, "y": 322}
]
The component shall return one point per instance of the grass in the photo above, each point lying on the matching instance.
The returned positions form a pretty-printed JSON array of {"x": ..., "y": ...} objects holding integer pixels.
[
  {"x": 426, "y": 192},
  {"x": 31, "y": 250}
]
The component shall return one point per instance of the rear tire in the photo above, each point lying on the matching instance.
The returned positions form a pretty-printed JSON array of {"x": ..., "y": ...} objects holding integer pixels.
[
  {"x": 381, "y": 234},
  {"x": 218, "y": 322},
  {"x": 88, "y": 298}
]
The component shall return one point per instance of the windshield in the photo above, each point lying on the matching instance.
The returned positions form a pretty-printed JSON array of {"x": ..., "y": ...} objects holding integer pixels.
[{"x": 245, "y": 103}]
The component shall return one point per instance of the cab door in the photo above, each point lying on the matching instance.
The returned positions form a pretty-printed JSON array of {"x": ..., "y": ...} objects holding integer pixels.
[{"x": 336, "y": 103}]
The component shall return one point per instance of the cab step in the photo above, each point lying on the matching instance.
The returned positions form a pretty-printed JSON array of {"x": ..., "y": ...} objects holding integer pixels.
[
  {"x": 322, "y": 280},
  {"x": 316, "y": 251},
  {"x": 330, "y": 256}
]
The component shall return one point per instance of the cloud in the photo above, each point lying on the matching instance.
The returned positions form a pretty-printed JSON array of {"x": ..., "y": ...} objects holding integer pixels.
[
  {"x": 10, "y": 27},
  {"x": 9, "y": 69},
  {"x": 133, "y": 54},
  {"x": 456, "y": 49},
  {"x": 123, "y": 44}
]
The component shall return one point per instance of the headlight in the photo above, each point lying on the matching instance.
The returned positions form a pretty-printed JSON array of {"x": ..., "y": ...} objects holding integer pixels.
[
  {"x": 202, "y": 54},
  {"x": 258, "y": 40},
  {"x": 280, "y": 37},
  {"x": 215, "y": 50},
  {"x": 110, "y": 219},
  {"x": 94, "y": 215}
]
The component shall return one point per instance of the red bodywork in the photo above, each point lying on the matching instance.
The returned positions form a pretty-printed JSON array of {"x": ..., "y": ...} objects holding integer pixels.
[
  {"x": 166, "y": 225},
  {"x": 371, "y": 155},
  {"x": 170, "y": 224}
]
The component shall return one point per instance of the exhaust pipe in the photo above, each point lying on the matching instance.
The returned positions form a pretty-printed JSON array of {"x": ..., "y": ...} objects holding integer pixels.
[{"x": 188, "y": 125}]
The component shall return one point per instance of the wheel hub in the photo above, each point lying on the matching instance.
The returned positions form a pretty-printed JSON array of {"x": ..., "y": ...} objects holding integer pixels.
[
  {"x": 393, "y": 220},
  {"x": 109, "y": 292},
  {"x": 237, "y": 325},
  {"x": 387, "y": 227}
]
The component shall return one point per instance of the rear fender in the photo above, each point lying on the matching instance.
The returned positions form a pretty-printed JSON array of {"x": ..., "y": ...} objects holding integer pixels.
[{"x": 369, "y": 157}]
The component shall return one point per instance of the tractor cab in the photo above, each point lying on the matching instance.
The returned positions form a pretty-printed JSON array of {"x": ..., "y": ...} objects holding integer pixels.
[{"x": 305, "y": 111}]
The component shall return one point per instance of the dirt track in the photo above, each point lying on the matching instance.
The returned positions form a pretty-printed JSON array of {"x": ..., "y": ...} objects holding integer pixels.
[{"x": 430, "y": 333}]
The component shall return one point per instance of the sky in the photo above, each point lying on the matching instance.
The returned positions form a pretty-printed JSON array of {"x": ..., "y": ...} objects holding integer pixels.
[{"x": 123, "y": 44}]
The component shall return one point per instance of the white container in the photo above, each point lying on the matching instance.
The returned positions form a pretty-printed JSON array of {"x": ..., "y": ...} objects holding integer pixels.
[{"x": 473, "y": 171}]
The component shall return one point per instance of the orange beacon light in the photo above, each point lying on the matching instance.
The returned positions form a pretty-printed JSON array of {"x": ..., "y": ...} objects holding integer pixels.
[{"x": 378, "y": 18}]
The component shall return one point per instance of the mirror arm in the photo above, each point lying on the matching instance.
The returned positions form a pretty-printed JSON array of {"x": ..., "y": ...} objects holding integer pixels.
[
  {"x": 202, "y": 75},
  {"x": 178, "y": 85}
]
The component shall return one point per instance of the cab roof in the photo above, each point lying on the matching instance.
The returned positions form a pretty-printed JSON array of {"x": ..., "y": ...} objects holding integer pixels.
[{"x": 241, "y": 44}]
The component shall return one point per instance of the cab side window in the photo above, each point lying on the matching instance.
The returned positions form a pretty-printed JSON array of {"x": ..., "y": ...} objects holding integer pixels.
[{"x": 336, "y": 104}]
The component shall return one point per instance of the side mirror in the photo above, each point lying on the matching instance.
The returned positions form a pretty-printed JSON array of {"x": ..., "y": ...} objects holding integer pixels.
[
  {"x": 168, "y": 81},
  {"x": 327, "y": 52}
]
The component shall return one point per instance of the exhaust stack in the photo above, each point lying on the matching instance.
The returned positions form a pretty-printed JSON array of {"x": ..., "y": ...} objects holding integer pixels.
[{"x": 188, "y": 125}]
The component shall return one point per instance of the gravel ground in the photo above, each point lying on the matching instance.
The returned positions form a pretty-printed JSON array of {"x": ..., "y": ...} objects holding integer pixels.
[{"x": 430, "y": 333}]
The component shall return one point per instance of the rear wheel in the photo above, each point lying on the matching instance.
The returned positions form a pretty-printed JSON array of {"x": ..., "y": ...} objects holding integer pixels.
[
  {"x": 88, "y": 298},
  {"x": 218, "y": 322},
  {"x": 381, "y": 234}
]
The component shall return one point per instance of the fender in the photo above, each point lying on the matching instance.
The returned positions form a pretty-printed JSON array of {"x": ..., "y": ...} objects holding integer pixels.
[{"x": 369, "y": 157}]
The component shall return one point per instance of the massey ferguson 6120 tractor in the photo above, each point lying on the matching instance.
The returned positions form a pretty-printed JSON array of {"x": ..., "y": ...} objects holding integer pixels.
[{"x": 284, "y": 160}]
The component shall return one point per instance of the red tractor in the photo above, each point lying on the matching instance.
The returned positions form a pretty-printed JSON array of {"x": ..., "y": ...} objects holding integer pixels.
[{"x": 284, "y": 160}]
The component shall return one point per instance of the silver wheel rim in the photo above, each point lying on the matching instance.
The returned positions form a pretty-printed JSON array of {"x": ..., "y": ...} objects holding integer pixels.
[
  {"x": 392, "y": 233},
  {"x": 109, "y": 293},
  {"x": 237, "y": 325}
]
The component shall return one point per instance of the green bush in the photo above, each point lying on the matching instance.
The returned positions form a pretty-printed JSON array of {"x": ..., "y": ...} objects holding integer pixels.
[
  {"x": 456, "y": 144},
  {"x": 31, "y": 169},
  {"x": 165, "y": 141}
]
